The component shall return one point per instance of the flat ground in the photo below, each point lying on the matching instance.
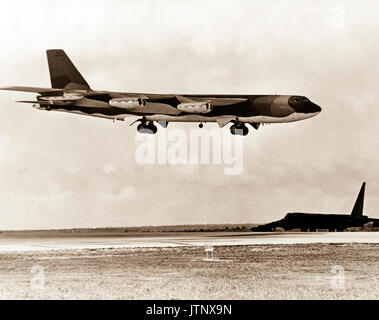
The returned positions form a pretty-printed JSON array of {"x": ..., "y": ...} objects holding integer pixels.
[
  {"x": 280, "y": 271},
  {"x": 34, "y": 241}
]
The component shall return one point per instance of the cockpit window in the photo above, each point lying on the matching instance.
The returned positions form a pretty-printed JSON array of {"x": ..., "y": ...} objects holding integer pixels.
[{"x": 302, "y": 99}]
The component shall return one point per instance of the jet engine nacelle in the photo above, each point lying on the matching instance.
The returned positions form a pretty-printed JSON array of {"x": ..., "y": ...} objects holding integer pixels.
[
  {"x": 127, "y": 102},
  {"x": 63, "y": 100},
  {"x": 196, "y": 107}
]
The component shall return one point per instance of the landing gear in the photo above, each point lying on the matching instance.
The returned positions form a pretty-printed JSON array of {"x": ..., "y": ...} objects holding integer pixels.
[
  {"x": 239, "y": 129},
  {"x": 201, "y": 125},
  {"x": 148, "y": 128},
  {"x": 141, "y": 102}
]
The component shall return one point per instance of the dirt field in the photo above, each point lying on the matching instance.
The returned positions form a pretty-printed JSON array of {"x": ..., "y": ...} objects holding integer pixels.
[{"x": 309, "y": 271}]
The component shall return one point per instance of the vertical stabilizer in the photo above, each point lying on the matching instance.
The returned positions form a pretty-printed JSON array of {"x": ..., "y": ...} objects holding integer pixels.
[
  {"x": 63, "y": 73},
  {"x": 358, "y": 206}
]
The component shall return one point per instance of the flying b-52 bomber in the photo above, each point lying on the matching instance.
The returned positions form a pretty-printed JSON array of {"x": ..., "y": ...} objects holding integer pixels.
[{"x": 70, "y": 92}]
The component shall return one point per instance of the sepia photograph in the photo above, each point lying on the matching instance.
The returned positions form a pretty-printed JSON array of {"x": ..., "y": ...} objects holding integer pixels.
[{"x": 212, "y": 151}]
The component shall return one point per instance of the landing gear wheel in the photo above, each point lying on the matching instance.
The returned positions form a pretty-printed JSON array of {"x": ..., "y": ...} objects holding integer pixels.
[
  {"x": 201, "y": 125},
  {"x": 149, "y": 128},
  {"x": 239, "y": 129},
  {"x": 152, "y": 127},
  {"x": 140, "y": 127}
]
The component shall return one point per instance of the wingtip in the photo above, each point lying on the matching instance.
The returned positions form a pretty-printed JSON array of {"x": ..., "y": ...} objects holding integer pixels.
[{"x": 7, "y": 88}]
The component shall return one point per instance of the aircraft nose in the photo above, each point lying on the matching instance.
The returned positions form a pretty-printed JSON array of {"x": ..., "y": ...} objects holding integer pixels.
[
  {"x": 307, "y": 107},
  {"x": 311, "y": 107}
]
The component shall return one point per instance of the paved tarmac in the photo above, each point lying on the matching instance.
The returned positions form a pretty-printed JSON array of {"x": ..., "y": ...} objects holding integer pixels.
[{"x": 175, "y": 239}]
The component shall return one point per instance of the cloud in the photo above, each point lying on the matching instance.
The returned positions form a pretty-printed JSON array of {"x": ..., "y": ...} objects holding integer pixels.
[{"x": 109, "y": 168}]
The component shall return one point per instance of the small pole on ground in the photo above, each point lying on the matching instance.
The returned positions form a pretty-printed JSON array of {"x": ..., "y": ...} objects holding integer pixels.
[{"x": 209, "y": 252}]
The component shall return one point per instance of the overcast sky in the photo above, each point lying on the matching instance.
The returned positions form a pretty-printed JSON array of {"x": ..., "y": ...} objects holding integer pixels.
[{"x": 60, "y": 171}]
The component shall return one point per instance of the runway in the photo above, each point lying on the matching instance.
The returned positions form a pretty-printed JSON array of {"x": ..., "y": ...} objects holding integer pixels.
[{"x": 21, "y": 242}]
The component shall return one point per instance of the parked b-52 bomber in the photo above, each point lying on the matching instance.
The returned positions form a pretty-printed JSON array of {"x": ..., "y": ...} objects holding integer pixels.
[
  {"x": 314, "y": 221},
  {"x": 71, "y": 93}
]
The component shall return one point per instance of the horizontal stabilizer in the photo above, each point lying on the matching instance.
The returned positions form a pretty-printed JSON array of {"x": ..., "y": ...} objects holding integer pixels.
[
  {"x": 33, "y": 89},
  {"x": 35, "y": 102}
]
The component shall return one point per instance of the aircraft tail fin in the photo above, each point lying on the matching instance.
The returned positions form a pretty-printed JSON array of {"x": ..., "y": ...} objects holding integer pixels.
[
  {"x": 63, "y": 73},
  {"x": 358, "y": 206}
]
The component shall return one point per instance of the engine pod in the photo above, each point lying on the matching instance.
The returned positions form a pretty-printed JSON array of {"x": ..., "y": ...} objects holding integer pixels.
[
  {"x": 195, "y": 107},
  {"x": 127, "y": 102},
  {"x": 62, "y": 100}
]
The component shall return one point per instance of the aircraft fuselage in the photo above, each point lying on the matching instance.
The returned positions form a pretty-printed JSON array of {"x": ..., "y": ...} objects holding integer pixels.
[
  {"x": 253, "y": 108},
  {"x": 313, "y": 221}
]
